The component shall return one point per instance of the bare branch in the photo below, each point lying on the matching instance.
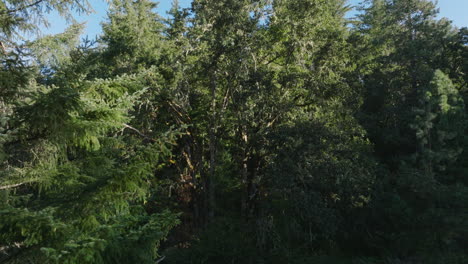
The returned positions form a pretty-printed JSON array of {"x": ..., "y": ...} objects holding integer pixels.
[
  {"x": 138, "y": 132},
  {"x": 3, "y": 48},
  {"x": 5, "y": 187},
  {"x": 161, "y": 259}
]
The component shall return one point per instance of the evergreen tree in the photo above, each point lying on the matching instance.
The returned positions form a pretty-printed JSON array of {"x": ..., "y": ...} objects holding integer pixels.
[
  {"x": 269, "y": 129},
  {"x": 77, "y": 179},
  {"x": 410, "y": 115},
  {"x": 440, "y": 125},
  {"x": 401, "y": 44},
  {"x": 133, "y": 35}
]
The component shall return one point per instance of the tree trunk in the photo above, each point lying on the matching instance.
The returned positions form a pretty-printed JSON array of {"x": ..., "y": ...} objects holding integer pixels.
[
  {"x": 244, "y": 172},
  {"x": 212, "y": 146}
]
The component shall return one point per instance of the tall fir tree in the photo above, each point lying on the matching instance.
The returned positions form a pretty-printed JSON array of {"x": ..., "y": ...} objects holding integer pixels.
[{"x": 77, "y": 179}]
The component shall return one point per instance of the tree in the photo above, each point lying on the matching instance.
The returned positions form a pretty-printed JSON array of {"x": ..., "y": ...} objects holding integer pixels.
[
  {"x": 409, "y": 113},
  {"x": 401, "y": 45},
  {"x": 269, "y": 129},
  {"x": 321, "y": 173},
  {"x": 439, "y": 125},
  {"x": 77, "y": 178},
  {"x": 133, "y": 35},
  {"x": 267, "y": 71}
]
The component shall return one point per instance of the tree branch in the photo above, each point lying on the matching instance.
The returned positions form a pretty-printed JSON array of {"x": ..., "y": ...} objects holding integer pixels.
[
  {"x": 138, "y": 132},
  {"x": 161, "y": 259},
  {"x": 12, "y": 186},
  {"x": 9, "y": 11},
  {"x": 3, "y": 48}
]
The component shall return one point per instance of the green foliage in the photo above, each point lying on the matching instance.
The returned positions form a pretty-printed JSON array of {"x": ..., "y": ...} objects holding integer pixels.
[
  {"x": 84, "y": 182},
  {"x": 18, "y": 17},
  {"x": 439, "y": 124},
  {"x": 76, "y": 176},
  {"x": 132, "y": 35},
  {"x": 321, "y": 172},
  {"x": 234, "y": 131}
]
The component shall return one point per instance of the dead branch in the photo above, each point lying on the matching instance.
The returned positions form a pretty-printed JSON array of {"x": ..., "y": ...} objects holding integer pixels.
[
  {"x": 6, "y": 187},
  {"x": 139, "y": 132}
]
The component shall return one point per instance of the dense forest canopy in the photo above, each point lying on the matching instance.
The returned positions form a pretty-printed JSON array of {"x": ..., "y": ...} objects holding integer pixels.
[{"x": 234, "y": 131}]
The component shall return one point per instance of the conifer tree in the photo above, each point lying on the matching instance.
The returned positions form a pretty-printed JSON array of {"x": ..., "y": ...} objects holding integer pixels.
[
  {"x": 133, "y": 35},
  {"x": 440, "y": 125},
  {"x": 76, "y": 176},
  {"x": 269, "y": 129},
  {"x": 410, "y": 115},
  {"x": 401, "y": 44}
]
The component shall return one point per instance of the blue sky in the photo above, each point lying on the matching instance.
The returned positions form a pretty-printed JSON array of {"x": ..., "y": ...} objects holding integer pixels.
[
  {"x": 93, "y": 21},
  {"x": 455, "y": 10}
]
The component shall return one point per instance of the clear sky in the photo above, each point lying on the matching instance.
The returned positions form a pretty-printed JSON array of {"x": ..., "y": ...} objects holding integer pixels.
[{"x": 455, "y": 10}]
